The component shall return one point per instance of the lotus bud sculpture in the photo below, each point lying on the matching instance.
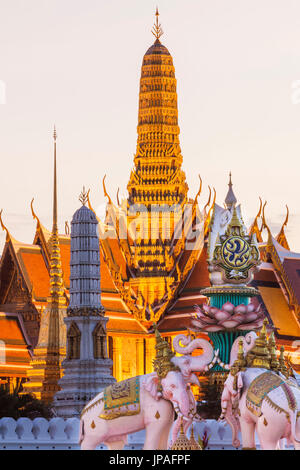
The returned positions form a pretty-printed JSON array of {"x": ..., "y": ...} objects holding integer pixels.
[{"x": 240, "y": 317}]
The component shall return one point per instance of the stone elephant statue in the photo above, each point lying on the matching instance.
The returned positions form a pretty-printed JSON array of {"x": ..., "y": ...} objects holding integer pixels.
[
  {"x": 187, "y": 363},
  {"x": 149, "y": 404},
  {"x": 261, "y": 400}
]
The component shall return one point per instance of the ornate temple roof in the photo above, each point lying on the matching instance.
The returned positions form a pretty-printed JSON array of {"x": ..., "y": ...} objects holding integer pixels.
[
  {"x": 157, "y": 49},
  {"x": 85, "y": 261},
  {"x": 15, "y": 352}
]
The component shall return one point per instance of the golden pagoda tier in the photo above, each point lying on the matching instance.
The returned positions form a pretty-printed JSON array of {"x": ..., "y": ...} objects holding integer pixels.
[{"x": 157, "y": 203}]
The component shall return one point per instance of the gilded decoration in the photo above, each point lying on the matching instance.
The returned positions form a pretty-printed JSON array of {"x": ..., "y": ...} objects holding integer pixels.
[
  {"x": 236, "y": 252},
  {"x": 121, "y": 399},
  {"x": 153, "y": 218},
  {"x": 259, "y": 388}
]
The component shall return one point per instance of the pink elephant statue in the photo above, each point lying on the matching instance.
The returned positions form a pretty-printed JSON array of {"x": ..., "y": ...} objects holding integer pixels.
[
  {"x": 155, "y": 413},
  {"x": 263, "y": 401},
  {"x": 188, "y": 364}
]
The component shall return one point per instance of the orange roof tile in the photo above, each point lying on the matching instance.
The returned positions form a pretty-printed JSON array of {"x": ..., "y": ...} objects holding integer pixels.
[
  {"x": 14, "y": 354},
  {"x": 279, "y": 311},
  {"x": 36, "y": 270},
  {"x": 65, "y": 254},
  {"x": 124, "y": 326},
  {"x": 199, "y": 277}
]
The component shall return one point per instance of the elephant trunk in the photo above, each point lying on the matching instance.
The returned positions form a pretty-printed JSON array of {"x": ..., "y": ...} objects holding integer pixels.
[
  {"x": 233, "y": 423},
  {"x": 190, "y": 345}
]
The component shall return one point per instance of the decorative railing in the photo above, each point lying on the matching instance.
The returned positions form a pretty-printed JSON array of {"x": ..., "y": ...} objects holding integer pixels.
[{"x": 60, "y": 434}]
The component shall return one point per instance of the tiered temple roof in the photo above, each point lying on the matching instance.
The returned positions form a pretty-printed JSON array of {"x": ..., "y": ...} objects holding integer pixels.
[{"x": 157, "y": 277}]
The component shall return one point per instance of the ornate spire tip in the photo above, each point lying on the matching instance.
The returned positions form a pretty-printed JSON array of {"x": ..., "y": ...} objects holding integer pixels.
[
  {"x": 157, "y": 29},
  {"x": 83, "y": 198}
]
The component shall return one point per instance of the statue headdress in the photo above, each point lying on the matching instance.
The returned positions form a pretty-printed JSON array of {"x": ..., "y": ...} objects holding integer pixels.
[
  {"x": 259, "y": 355},
  {"x": 162, "y": 362}
]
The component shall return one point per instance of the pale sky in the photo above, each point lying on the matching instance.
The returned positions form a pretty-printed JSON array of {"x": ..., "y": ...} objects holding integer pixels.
[{"x": 77, "y": 64}]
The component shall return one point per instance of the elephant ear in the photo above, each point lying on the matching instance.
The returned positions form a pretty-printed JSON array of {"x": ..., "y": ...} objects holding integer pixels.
[
  {"x": 151, "y": 385},
  {"x": 240, "y": 381}
]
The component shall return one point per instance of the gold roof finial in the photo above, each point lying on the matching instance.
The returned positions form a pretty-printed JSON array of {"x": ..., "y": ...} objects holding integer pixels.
[
  {"x": 84, "y": 196},
  {"x": 199, "y": 190},
  {"x": 54, "y": 133},
  {"x": 264, "y": 224},
  {"x": 33, "y": 213},
  {"x": 157, "y": 29},
  {"x": 105, "y": 192},
  {"x": 254, "y": 229},
  {"x": 3, "y": 226},
  {"x": 67, "y": 228},
  {"x": 281, "y": 238}
]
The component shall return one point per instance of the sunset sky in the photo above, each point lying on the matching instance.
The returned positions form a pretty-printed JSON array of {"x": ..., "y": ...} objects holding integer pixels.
[{"x": 77, "y": 64}]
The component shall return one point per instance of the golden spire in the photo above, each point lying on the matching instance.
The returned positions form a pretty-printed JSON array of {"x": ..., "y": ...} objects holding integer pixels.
[
  {"x": 230, "y": 199},
  {"x": 182, "y": 442},
  {"x": 56, "y": 278},
  {"x": 162, "y": 362},
  {"x": 272, "y": 349},
  {"x": 259, "y": 355},
  {"x": 157, "y": 177},
  {"x": 282, "y": 364},
  {"x": 193, "y": 443},
  {"x": 157, "y": 29},
  {"x": 281, "y": 238}
]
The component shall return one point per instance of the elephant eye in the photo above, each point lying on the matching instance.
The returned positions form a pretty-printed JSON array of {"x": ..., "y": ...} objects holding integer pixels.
[{"x": 172, "y": 386}]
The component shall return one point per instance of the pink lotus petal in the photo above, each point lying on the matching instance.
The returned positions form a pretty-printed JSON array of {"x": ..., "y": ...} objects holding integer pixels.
[
  {"x": 250, "y": 308},
  {"x": 200, "y": 315},
  {"x": 220, "y": 315},
  {"x": 238, "y": 318},
  {"x": 229, "y": 323},
  {"x": 228, "y": 307},
  {"x": 205, "y": 307},
  {"x": 240, "y": 309},
  {"x": 214, "y": 328},
  {"x": 198, "y": 324},
  {"x": 250, "y": 317},
  {"x": 210, "y": 321},
  {"x": 249, "y": 326}
]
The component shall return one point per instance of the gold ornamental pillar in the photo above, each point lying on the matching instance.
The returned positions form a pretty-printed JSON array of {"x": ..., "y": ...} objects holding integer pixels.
[
  {"x": 140, "y": 356},
  {"x": 117, "y": 358},
  {"x": 150, "y": 354}
]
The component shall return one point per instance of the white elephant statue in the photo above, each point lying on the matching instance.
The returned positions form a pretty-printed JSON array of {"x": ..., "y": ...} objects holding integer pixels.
[
  {"x": 153, "y": 410},
  {"x": 145, "y": 402},
  {"x": 261, "y": 400},
  {"x": 188, "y": 364}
]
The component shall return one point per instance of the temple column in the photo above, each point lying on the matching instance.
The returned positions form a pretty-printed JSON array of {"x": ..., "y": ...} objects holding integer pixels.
[
  {"x": 117, "y": 358},
  {"x": 140, "y": 356},
  {"x": 150, "y": 354}
]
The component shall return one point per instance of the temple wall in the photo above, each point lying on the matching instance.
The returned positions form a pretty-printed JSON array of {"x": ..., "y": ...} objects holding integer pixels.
[
  {"x": 60, "y": 434},
  {"x": 132, "y": 356}
]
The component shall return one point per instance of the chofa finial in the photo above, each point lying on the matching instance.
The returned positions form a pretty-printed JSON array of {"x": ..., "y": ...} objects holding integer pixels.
[
  {"x": 83, "y": 198},
  {"x": 157, "y": 29}
]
